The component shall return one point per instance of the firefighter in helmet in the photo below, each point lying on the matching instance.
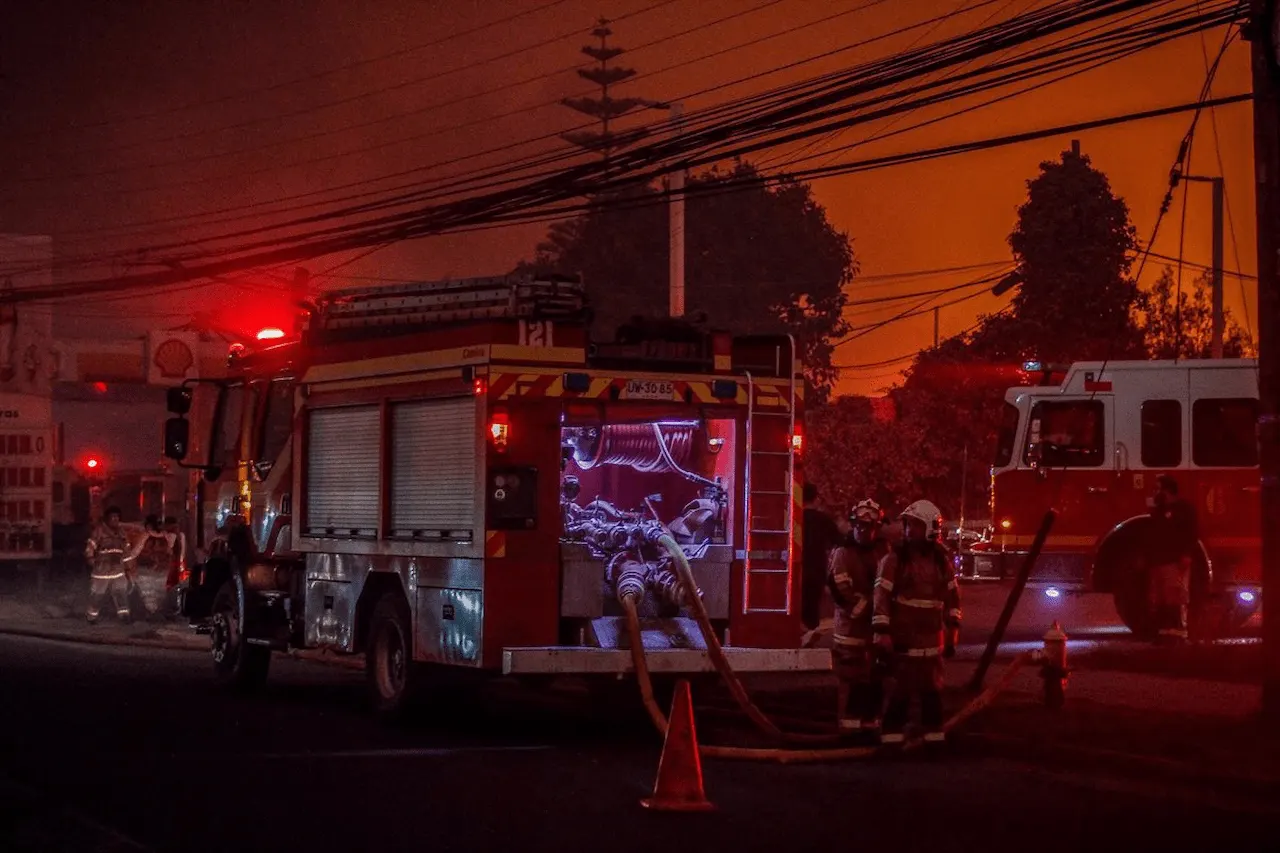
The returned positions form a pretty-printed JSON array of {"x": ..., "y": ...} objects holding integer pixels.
[
  {"x": 105, "y": 552},
  {"x": 851, "y": 577},
  {"x": 916, "y": 620}
]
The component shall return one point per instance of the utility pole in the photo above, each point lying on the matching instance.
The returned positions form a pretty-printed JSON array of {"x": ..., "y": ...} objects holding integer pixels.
[
  {"x": 936, "y": 311},
  {"x": 1262, "y": 33},
  {"x": 676, "y": 206},
  {"x": 675, "y": 212},
  {"x": 1219, "y": 194}
]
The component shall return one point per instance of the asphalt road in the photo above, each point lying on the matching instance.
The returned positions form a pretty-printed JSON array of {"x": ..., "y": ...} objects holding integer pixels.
[{"x": 112, "y": 748}]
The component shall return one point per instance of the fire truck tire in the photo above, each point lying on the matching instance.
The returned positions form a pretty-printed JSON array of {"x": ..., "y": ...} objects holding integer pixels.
[
  {"x": 237, "y": 665},
  {"x": 390, "y": 673},
  {"x": 1133, "y": 604}
]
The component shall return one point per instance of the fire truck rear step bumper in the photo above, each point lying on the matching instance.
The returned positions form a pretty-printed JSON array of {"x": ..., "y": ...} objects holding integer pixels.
[{"x": 572, "y": 660}]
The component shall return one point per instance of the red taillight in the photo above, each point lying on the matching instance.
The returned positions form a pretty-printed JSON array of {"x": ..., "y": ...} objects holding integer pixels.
[
  {"x": 271, "y": 333},
  {"x": 480, "y": 386},
  {"x": 797, "y": 442},
  {"x": 499, "y": 431}
]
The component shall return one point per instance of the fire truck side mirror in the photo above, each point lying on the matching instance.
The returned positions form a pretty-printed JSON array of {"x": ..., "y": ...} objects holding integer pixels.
[
  {"x": 178, "y": 400},
  {"x": 177, "y": 432}
]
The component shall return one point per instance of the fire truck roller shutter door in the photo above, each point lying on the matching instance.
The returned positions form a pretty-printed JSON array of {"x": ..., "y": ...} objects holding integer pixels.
[
  {"x": 433, "y": 469},
  {"x": 343, "y": 471}
]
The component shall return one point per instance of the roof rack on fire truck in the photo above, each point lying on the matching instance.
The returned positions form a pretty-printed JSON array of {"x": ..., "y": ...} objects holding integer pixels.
[{"x": 451, "y": 301}]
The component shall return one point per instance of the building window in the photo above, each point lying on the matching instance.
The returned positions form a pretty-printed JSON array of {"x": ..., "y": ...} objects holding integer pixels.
[
  {"x": 1224, "y": 433},
  {"x": 1161, "y": 434},
  {"x": 1069, "y": 434}
]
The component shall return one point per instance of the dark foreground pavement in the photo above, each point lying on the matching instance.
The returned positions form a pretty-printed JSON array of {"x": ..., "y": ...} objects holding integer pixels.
[{"x": 120, "y": 748}]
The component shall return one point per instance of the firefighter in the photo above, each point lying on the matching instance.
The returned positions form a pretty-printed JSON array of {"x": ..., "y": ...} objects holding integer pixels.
[
  {"x": 1173, "y": 540},
  {"x": 152, "y": 557},
  {"x": 105, "y": 550},
  {"x": 851, "y": 578},
  {"x": 917, "y": 618},
  {"x": 819, "y": 535}
]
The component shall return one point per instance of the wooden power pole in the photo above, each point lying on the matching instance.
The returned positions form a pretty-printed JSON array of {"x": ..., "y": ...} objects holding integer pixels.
[{"x": 1262, "y": 32}]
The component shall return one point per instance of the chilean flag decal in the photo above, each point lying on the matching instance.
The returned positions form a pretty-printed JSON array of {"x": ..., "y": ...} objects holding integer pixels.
[{"x": 1093, "y": 386}]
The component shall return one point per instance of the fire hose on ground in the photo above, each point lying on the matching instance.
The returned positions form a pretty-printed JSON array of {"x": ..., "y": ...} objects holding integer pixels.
[{"x": 784, "y": 755}]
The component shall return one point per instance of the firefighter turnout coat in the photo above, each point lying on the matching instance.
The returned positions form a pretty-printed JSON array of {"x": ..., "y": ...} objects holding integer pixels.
[
  {"x": 917, "y": 601},
  {"x": 851, "y": 577}
]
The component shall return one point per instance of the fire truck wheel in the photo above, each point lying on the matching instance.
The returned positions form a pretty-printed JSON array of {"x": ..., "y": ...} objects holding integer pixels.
[
  {"x": 389, "y": 665},
  {"x": 236, "y": 664},
  {"x": 1133, "y": 604}
]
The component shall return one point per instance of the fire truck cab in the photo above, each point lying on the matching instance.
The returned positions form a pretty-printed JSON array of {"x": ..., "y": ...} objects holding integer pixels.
[
  {"x": 451, "y": 473},
  {"x": 1093, "y": 446}
]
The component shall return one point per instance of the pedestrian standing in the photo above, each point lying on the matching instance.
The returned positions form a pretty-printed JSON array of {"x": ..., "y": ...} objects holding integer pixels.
[
  {"x": 820, "y": 535},
  {"x": 177, "y": 563},
  {"x": 916, "y": 621},
  {"x": 851, "y": 579},
  {"x": 1173, "y": 540},
  {"x": 105, "y": 550},
  {"x": 152, "y": 556}
]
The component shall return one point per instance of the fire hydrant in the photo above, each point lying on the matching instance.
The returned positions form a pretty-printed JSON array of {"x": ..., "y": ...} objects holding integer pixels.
[{"x": 1053, "y": 663}]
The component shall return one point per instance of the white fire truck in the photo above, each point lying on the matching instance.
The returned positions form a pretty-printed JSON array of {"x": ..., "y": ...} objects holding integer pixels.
[
  {"x": 452, "y": 473},
  {"x": 26, "y": 479},
  {"x": 1093, "y": 446}
]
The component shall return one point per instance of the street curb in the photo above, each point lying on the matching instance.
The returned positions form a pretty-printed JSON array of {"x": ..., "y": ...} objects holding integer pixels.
[
  {"x": 195, "y": 643},
  {"x": 1026, "y": 749},
  {"x": 91, "y": 640}
]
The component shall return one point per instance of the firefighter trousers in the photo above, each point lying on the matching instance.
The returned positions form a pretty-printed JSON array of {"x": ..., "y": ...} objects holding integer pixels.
[
  {"x": 916, "y": 674},
  {"x": 151, "y": 588},
  {"x": 115, "y": 587},
  {"x": 858, "y": 688},
  {"x": 1170, "y": 595}
]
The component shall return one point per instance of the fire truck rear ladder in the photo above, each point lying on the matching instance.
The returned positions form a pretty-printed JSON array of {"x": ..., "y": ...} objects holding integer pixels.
[
  {"x": 452, "y": 300},
  {"x": 762, "y": 565}
]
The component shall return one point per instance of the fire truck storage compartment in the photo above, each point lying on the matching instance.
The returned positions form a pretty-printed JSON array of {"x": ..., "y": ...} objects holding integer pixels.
[
  {"x": 433, "y": 469},
  {"x": 618, "y": 478},
  {"x": 391, "y": 492},
  {"x": 432, "y": 465},
  {"x": 343, "y": 471}
]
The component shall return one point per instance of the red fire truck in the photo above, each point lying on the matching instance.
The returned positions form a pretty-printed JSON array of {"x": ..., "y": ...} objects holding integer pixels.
[
  {"x": 452, "y": 473},
  {"x": 1093, "y": 446}
]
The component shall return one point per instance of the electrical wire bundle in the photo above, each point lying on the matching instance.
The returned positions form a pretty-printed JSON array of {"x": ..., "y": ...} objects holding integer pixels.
[{"x": 1093, "y": 32}]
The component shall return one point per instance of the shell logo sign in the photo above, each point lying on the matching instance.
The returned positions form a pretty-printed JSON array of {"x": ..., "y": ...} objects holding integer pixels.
[{"x": 173, "y": 358}]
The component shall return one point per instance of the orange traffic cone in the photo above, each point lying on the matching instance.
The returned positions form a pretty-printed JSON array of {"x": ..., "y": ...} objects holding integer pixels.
[{"x": 679, "y": 785}]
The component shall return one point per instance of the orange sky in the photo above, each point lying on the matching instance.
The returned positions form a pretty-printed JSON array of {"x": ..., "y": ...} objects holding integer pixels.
[{"x": 76, "y": 71}]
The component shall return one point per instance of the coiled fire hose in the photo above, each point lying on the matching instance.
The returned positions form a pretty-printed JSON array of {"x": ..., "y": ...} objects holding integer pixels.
[{"x": 739, "y": 693}]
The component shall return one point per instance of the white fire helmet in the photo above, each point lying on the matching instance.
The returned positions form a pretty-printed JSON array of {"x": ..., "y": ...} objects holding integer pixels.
[
  {"x": 866, "y": 511},
  {"x": 926, "y": 512}
]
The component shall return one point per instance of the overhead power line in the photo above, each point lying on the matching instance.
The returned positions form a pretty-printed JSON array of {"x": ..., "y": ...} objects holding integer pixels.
[
  {"x": 710, "y": 135},
  {"x": 791, "y": 115}
]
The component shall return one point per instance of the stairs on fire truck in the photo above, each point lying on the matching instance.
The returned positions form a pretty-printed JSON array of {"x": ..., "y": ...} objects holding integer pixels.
[{"x": 770, "y": 511}]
